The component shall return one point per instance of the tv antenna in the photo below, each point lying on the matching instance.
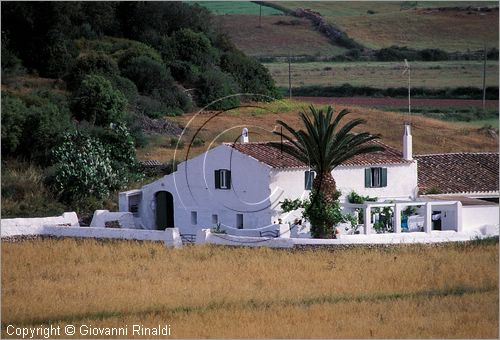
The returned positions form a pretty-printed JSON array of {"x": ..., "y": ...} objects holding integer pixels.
[{"x": 407, "y": 69}]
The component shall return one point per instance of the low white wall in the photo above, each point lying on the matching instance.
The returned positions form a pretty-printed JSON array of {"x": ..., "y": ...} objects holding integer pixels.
[
  {"x": 475, "y": 217},
  {"x": 69, "y": 219},
  {"x": 125, "y": 219},
  {"x": 283, "y": 229},
  {"x": 170, "y": 236},
  {"x": 206, "y": 236}
]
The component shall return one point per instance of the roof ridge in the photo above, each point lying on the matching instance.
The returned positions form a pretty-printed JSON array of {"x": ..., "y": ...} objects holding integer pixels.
[{"x": 459, "y": 153}]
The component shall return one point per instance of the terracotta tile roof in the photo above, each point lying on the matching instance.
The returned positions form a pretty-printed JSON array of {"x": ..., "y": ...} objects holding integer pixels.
[
  {"x": 269, "y": 153},
  {"x": 456, "y": 173}
]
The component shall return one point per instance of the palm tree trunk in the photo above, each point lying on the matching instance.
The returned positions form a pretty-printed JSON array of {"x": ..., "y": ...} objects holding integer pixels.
[
  {"x": 325, "y": 184},
  {"x": 324, "y": 190}
]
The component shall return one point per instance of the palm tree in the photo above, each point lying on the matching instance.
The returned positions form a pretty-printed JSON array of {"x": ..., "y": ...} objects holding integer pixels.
[{"x": 324, "y": 145}]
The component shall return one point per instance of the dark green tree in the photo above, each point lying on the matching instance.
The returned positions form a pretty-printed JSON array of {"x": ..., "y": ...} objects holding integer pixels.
[
  {"x": 92, "y": 63},
  {"x": 147, "y": 74},
  {"x": 214, "y": 88},
  {"x": 13, "y": 118},
  {"x": 97, "y": 102}
]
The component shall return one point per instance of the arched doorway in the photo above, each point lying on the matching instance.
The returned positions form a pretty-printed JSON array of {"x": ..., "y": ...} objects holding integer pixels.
[{"x": 164, "y": 210}]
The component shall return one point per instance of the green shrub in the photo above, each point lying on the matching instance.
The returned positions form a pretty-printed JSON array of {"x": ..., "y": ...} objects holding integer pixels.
[
  {"x": 175, "y": 142},
  {"x": 252, "y": 77},
  {"x": 32, "y": 124},
  {"x": 92, "y": 63},
  {"x": 13, "y": 118},
  {"x": 194, "y": 47},
  {"x": 198, "y": 142},
  {"x": 57, "y": 55},
  {"x": 126, "y": 87},
  {"x": 83, "y": 168},
  {"x": 151, "y": 107},
  {"x": 147, "y": 74},
  {"x": 97, "y": 102},
  {"x": 11, "y": 64},
  {"x": 214, "y": 86}
]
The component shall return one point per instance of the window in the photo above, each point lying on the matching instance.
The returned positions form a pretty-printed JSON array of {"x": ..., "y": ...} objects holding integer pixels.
[
  {"x": 133, "y": 204},
  {"x": 223, "y": 179},
  {"x": 375, "y": 177},
  {"x": 215, "y": 219},
  {"x": 194, "y": 217},
  {"x": 308, "y": 179},
  {"x": 239, "y": 221}
]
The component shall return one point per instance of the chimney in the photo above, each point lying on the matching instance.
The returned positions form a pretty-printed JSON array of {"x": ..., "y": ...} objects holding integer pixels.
[
  {"x": 244, "y": 136},
  {"x": 407, "y": 143}
]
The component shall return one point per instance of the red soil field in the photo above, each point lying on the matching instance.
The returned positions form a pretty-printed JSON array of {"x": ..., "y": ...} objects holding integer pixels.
[{"x": 388, "y": 101}]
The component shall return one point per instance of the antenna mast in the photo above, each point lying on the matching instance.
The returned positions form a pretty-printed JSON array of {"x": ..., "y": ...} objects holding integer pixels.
[{"x": 407, "y": 69}]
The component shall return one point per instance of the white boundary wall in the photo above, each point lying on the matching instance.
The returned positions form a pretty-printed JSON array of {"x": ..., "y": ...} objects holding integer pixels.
[
  {"x": 205, "y": 236},
  {"x": 170, "y": 237},
  {"x": 69, "y": 219},
  {"x": 475, "y": 217},
  {"x": 283, "y": 230}
]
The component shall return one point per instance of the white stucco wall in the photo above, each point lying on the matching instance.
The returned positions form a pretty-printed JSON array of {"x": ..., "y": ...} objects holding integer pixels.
[
  {"x": 66, "y": 219},
  {"x": 474, "y": 217},
  {"x": 170, "y": 237},
  {"x": 193, "y": 189},
  {"x": 287, "y": 184},
  {"x": 401, "y": 181},
  {"x": 401, "y": 185}
]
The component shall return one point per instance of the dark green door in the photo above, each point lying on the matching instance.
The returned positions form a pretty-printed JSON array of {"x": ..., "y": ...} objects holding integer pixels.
[{"x": 164, "y": 210}]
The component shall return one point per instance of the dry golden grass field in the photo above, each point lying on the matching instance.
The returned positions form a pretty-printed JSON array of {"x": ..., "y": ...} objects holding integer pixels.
[
  {"x": 423, "y": 28},
  {"x": 207, "y": 291},
  {"x": 429, "y": 135},
  {"x": 434, "y": 74},
  {"x": 277, "y": 36}
]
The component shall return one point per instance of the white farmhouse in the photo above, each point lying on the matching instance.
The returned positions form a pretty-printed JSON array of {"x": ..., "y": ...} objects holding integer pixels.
[{"x": 242, "y": 185}]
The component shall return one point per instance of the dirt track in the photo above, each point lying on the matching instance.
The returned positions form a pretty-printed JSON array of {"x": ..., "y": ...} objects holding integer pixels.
[{"x": 388, "y": 101}]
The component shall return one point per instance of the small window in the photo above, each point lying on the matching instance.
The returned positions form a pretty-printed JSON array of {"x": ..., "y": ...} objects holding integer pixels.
[
  {"x": 375, "y": 177},
  {"x": 215, "y": 219},
  {"x": 133, "y": 204},
  {"x": 223, "y": 179},
  {"x": 239, "y": 221},
  {"x": 194, "y": 217},
  {"x": 308, "y": 179}
]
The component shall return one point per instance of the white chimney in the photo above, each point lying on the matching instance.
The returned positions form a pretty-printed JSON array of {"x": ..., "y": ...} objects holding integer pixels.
[
  {"x": 407, "y": 143},
  {"x": 244, "y": 136}
]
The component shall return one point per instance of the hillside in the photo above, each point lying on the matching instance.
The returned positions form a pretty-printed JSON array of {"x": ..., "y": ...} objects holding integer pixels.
[
  {"x": 453, "y": 136},
  {"x": 276, "y": 36},
  {"x": 450, "y": 30}
]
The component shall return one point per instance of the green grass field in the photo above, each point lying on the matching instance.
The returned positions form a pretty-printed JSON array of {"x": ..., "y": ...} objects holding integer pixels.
[
  {"x": 237, "y": 7},
  {"x": 437, "y": 74}
]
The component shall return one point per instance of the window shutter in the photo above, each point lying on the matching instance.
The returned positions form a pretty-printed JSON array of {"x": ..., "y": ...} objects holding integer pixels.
[
  {"x": 307, "y": 186},
  {"x": 228, "y": 179},
  {"x": 368, "y": 178},
  {"x": 383, "y": 182},
  {"x": 217, "y": 179}
]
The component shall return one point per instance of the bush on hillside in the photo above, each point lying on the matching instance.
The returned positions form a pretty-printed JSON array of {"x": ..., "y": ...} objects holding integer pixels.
[
  {"x": 147, "y": 74},
  {"x": 194, "y": 47},
  {"x": 92, "y": 63},
  {"x": 97, "y": 102},
  {"x": 214, "y": 86},
  {"x": 83, "y": 168},
  {"x": 13, "y": 118},
  {"x": 57, "y": 55},
  {"x": 252, "y": 77}
]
